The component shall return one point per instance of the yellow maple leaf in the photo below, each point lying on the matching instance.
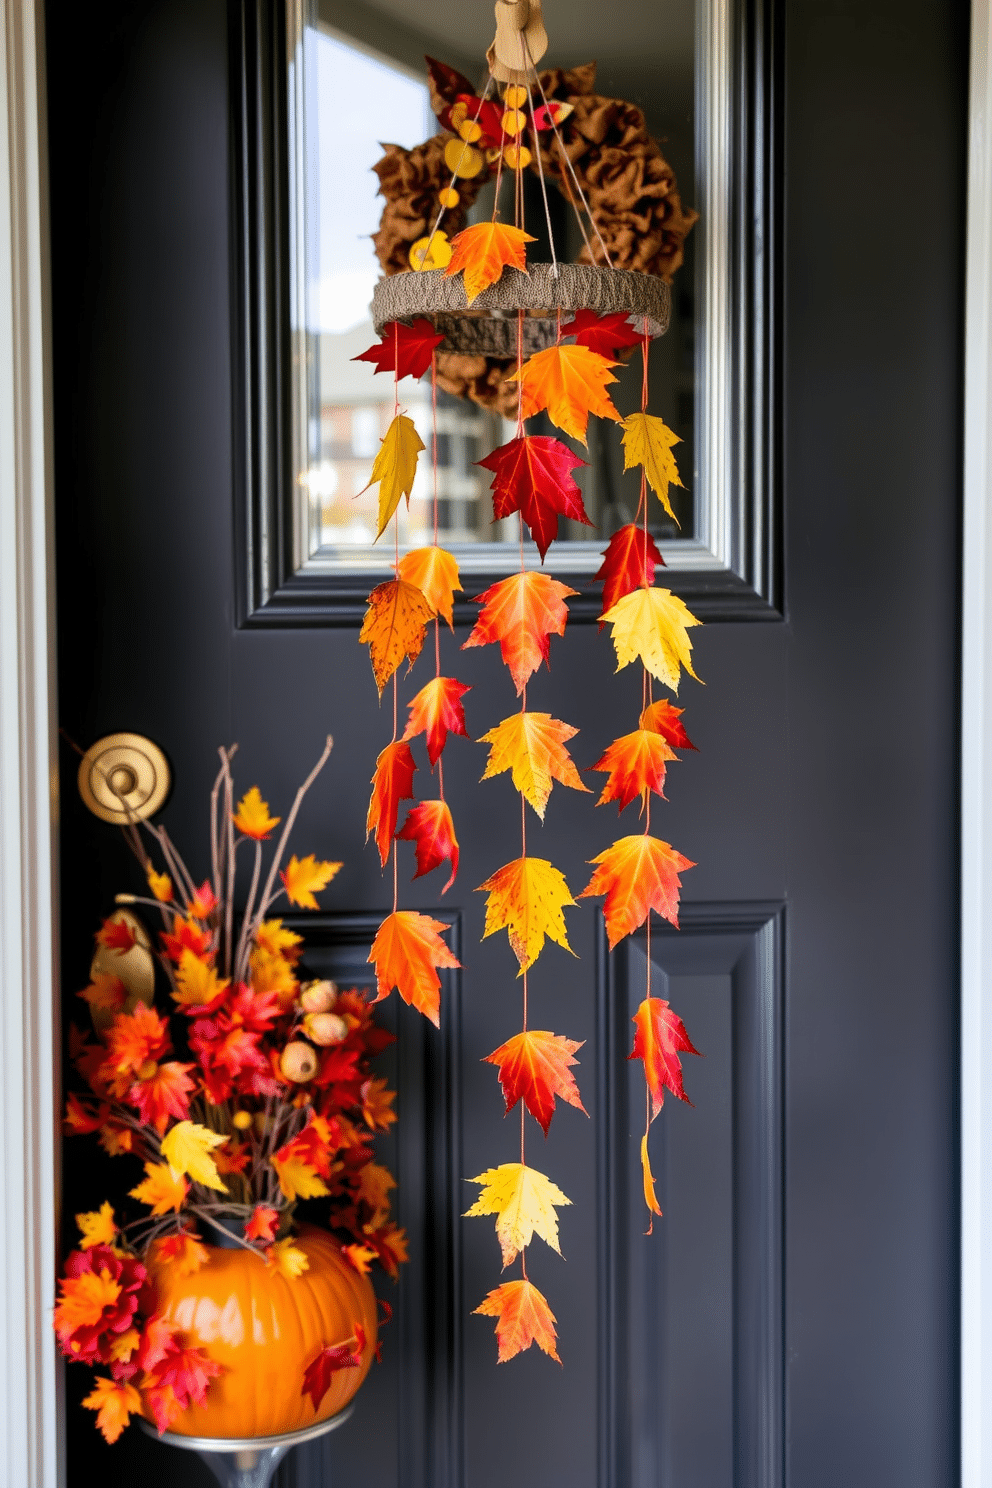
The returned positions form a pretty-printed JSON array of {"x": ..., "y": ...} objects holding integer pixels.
[
  {"x": 197, "y": 983},
  {"x": 271, "y": 972},
  {"x": 124, "y": 1345},
  {"x": 650, "y": 1197},
  {"x": 483, "y": 251},
  {"x": 650, "y": 625},
  {"x": 187, "y": 1149},
  {"x": 523, "y": 1201},
  {"x": 271, "y": 936},
  {"x": 648, "y": 441},
  {"x": 252, "y": 816},
  {"x": 162, "y": 1189},
  {"x": 570, "y": 382},
  {"x": 160, "y": 885},
  {"x": 395, "y": 467},
  {"x": 526, "y": 898},
  {"x": 532, "y": 747},
  {"x": 286, "y": 1258},
  {"x": 305, "y": 875},
  {"x": 114, "y": 1404},
  {"x": 394, "y": 626},
  {"x": 297, "y": 1178},
  {"x": 435, "y": 573},
  {"x": 97, "y": 1227}
]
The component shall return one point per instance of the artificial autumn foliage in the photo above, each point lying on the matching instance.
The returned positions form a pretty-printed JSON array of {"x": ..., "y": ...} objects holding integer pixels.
[
  {"x": 252, "y": 1092},
  {"x": 570, "y": 381},
  {"x": 482, "y": 252},
  {"x": 532, "y": 475}
]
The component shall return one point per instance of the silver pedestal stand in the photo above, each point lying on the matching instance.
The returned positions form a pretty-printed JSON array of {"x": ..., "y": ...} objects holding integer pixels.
[{"x": 250, "y": 1461}]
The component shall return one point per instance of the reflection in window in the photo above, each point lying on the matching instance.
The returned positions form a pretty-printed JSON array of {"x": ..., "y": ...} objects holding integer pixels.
[{"x": 353, "y": 101}]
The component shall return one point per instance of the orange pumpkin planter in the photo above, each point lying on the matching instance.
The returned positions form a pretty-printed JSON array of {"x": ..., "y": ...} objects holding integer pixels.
[{"x": 265, "y": 1330}]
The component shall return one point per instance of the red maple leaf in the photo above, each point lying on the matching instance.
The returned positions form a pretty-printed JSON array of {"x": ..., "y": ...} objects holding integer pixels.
[
  {"x": 662, "y": 718},
  {"x": 262, "y": 1224},
  {"x": 429, "y": 825},
  {"x": 635, "y": 764},
  {"x": 391, "y": 783},
  {"x": 403, "y": 349},
  {"x": 628, "y": 562},
  {"x": 436, "y": 712},
  {"x": 347, "y": 1355},
  {"x": 532, "y": 475},
  {"x": 659, "y": 1040},
  {"x": 534, "y": 1066},
  {"x": 116, "y": 935},
  {"x": 603, "y": 333}
]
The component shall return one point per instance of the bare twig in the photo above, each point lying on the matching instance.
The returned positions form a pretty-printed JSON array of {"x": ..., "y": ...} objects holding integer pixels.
[{"x": 267, "y": 896}]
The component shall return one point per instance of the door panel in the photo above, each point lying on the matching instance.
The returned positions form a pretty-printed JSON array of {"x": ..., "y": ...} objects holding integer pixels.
[{"x": 792, "y": 1320}]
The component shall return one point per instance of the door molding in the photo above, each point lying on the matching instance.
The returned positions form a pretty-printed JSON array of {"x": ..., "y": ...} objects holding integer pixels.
[
  {"x": 30, "y": 1379},
  {"x": 734, "y": 571},
  {"x": 976, "y": 785}
]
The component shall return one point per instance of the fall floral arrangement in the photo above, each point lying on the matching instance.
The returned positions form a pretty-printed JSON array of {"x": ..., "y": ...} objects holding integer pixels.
[{"x": 255, "y": 1091}]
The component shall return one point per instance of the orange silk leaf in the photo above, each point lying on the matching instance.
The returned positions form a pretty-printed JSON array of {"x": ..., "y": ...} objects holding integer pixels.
[
  {"x": 570, "y": 382},
  {"x": 635, "y": 764},
  {"x": 429, "y": 825},
  {"x": 534, "y": 1066},
  {"x": 659, "y": 1040},
  {"x": 435, "y": 573},
  {"x": 391, "y": 783},
  {"x": 662, "y": 718},
  {"x": 405, "y": 952},
  {"x": 436, "y": 712},
  {"x": 637, "y": 874},
  {"x": 522, "y": 1317},
  {"x": 522, "y": 613},
  {"x": 483, "y": 251},
  {"x": 394, "y": 626}
]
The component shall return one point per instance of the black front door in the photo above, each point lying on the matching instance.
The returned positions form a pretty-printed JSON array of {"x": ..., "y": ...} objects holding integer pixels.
[{"x": 792, "y": 1318}]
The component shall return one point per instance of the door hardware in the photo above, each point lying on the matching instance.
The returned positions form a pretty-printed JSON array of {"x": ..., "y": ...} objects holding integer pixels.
[{"x": 124, "y": 778}]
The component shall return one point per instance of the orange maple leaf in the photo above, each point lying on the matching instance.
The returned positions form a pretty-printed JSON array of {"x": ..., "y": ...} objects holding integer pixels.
[
  {"x": 534, "y": 1066},
  {"x": 663, "y": 718},
  {"x": 532, "y": 747},
  {"x": 106, "y": 993},
  {"x": 405, "y": 952},
  {"x": 635, "y": 764},
  {"x": 637, "y": 874},
  {"x": 436, "y": 712},
  {"x": 523, "y": 1317},
  {"x": 114, "y": 1404},
  {"x": 377, "y": 1102},
  {"x": 435, "y": 573},
  {"x": 304, "y": 876},
  {"x": 394, "y": 626},
  {"x": 161, "y": 1189},
  {"x": 359, "y": 1256},
  {"x": 204, "y": 901},
  {"x": 183, "y": 1252},
  {"x": 262, "y": 1224},
  {"x": 391, "y": 784},
  {"x": 570, "y": 382},
  {"x": 429, "y": 825},
  {"x": 483, "y": 251},
  {"x": 522, "y": 613},
  {"x": 527, "y": 899},
  {"x": 659, "y": 1039}
]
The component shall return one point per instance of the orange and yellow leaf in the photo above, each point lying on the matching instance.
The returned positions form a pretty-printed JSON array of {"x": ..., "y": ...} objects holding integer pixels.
[
  {"x": 483, "y": 251},
  {"x": 570, "y": 382},
  {"x": 532, "y": 747},
  {"x": 527, "y": 898},
  {"x": 522, "y": 1317},
  {"x": 435, "y": 573},
  {"x": 303, "y": 877},
  {"x": 649, "y": 625},
  {"x": 394, "y": 626},
  {"x": 405, "y": 953},
  {"x": 522, "y": 613},
  {"x": 637, "y": 874}
]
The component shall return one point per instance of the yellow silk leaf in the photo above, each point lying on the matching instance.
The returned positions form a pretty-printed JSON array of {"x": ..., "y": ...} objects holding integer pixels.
[
  {"x": 160, "y": 885},
  {"x": 650, "y": 1197},
  {"x": 570, "y": 382},
  {"x": 161, "y": 1189},
  {"x": 650, "y": 625},
  {"x": 526, "y": 898},
  {"x": 648, "y": 441},
  {"x": 187, "y": 1149},
  {"x": 297, "y": 1179},
  {"x": 435, "y": 573},
  {"x": 287, "y": 1259},
  {"x": 395, "y": 467},
  {"x": 304, "y": 876},
  {"x": 484, "y": 251},
  {"x": 523, "y": 1201},
  {"x": 97, "y": 1227},
  {"x": 252, "y": 816},
  {"x": 197, "y": 983},
  {"x": 394, "y": 626},
  {"x": 532, "y": 746}
]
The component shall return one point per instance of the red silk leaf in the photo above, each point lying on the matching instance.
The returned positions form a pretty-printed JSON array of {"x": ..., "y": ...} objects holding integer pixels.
[
  {"x": 603, "y": 333},
  {"x": 659, "y": 1040},
  {"x": 534, "y": 1067},
  {"x": 436, "y": 712},
  {"x": 522, "y": 613},
  {"x": 405, "y": 953},
  {"x": 662, "y": 718},
  {"x": 116, "y": 935},
  {"x": 635, "y": 764},
  {"x": 263, "y": 1224},
  {"x": 532, "y": 475},
  {"x": 637, "y": 874},
  {"x": 429, "y": 825},
  {"x": 624, "y": 568},
  {"x": 347, "y": 1355},
  {"x": 522, "y": 1317},
  {"x": 391, "y": 783},
  {"x": 403, "y": 349}
]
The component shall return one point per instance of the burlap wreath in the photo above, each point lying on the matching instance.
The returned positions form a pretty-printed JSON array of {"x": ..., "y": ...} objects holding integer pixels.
[{"x": 630, "y": 187}]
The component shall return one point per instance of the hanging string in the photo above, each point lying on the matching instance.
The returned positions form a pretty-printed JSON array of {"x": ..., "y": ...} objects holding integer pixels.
[{"x": 525, "y": 51}]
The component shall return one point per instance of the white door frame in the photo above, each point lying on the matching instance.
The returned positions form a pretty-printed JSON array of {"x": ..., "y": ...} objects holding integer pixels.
[{"x": 30, "y": 1379}]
